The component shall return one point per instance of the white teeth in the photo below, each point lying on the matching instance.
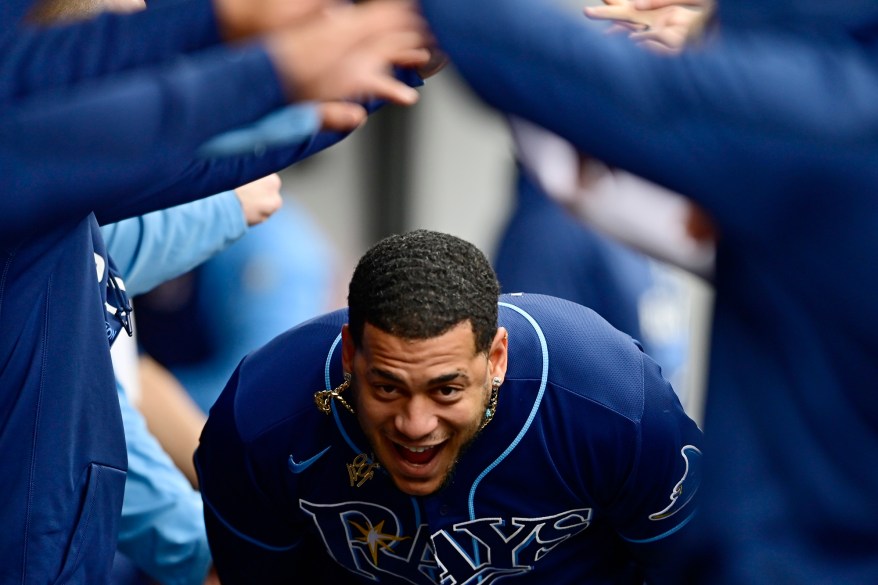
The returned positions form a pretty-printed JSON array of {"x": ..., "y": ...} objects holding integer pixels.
[{"x": 416, "y": 449}]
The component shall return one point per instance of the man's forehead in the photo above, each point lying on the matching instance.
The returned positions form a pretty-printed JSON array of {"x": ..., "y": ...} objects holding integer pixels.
[
  {"x": 461, "y": 332},
  {"x": 458, "y": 341}
]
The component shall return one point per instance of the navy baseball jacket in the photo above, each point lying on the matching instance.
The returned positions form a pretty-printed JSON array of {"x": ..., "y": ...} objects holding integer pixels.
[
  {"x": 586, "y": 474},
  {"x": 99, "y": 121},
  {"x": 772, "y": 127}
]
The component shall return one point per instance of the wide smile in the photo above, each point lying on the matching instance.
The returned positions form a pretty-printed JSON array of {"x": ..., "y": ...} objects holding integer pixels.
[
  {"x": 418, "y": 470},
  {"x": 418, "y": 456}
]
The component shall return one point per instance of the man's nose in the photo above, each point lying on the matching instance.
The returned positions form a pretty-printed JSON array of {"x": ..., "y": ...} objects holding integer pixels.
[{"x": 418, "y": 418}]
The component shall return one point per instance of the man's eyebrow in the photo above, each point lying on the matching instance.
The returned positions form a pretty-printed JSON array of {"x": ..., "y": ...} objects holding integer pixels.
[
  {"x": 443, "y": 379},
  {"x": 386, "y": 374}
]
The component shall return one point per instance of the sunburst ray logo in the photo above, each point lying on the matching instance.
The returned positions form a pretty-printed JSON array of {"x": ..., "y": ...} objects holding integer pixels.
[{"x": 374, "y": 537}]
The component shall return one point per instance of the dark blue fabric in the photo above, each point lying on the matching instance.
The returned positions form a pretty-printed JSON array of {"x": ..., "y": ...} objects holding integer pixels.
[
  {"x": 96, "y": 117},
  {"x": 39, "y": 59},
  {"x": 126, "y": 145},
  {"x": 774, "y": 131},
  {"x": 544, "y": 249},
  {"x": 107, "y": 144},
  {"x": 62, "y": 450},
  {"x": 587, "y": 443},
  {"x": 858, "y": 17}
]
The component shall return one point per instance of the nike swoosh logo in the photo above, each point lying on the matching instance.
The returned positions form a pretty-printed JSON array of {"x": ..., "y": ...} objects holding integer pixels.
[{"x": 302, "y": 466}]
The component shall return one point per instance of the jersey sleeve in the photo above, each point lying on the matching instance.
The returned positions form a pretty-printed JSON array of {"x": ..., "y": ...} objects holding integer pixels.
[
  {"x": 659, "y": 498},
  {"x": 617, "y": 433},
  {"x": 38, "y": 59},
  {"x": 215, "y": 172},
  {"x": 123, "y": 146},
  {"x": 677, "y": 122},
  {"x": 128, "y": 144},
  {"x": 249, "y": 540},
  {"x": 164, "y": 244}
]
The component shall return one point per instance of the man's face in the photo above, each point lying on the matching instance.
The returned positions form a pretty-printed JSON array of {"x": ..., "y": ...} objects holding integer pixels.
[{"x": 421, "y": 402}]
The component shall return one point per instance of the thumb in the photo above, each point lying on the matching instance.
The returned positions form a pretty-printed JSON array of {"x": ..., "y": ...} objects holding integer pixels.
[{"x": 342, "y": 116}]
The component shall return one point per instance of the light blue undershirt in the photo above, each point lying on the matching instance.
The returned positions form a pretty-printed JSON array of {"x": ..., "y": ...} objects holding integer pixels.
[{"x": 162, "y": 525}]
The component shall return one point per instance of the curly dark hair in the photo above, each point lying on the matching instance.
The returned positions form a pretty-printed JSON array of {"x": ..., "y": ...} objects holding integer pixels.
[{"x": 420, "y": 284}]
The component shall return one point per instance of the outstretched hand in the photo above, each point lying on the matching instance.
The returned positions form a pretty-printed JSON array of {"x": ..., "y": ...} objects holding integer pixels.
[
  {"x": 660, "y": 25},
  {"x": 260, "y": 198},
  {"x": 348, "y": 52}
]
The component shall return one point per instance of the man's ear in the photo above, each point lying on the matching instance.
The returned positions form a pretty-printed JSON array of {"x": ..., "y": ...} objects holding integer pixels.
[
  {"x": 498, "y": 354},
  {"x": 348, "y": 349}
]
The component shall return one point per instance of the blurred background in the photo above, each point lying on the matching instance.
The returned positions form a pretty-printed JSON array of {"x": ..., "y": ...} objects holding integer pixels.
[{"x": 448, "y": 164}]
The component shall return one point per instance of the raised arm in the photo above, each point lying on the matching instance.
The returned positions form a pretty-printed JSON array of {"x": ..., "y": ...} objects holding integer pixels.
[
  {"x": 162, "y": 245},
  {"x": 677, "y": 121},
  {"x": 71, "y": 152},
  {"x": 37, "y": 56},
  {"x": 138, "y": 133}
]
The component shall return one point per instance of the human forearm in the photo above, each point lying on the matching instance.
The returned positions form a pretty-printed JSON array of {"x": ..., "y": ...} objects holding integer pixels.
[
  {"x": 548, "y": 66},
  {"x": 162, "y": 245},
  {"x": 132, "y": 136},
  {"x": 36, "y": 59},
  {"x": 171, "y": 415},
  {"x": 674, "y": 121}
]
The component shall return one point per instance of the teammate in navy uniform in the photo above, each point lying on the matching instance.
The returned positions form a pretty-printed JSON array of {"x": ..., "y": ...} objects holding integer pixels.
[
  {"x": 410, "y": 439},
  {"x": 101, "y": 121},
  {"x": 769, "y": 125}
]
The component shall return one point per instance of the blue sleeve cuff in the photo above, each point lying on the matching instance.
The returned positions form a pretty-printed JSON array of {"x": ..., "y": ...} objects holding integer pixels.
[{"x": 287, "y": 126}]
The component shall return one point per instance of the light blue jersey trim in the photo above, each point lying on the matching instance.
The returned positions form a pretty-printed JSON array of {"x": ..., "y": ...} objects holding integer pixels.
[
  {"x": 328, "y": 384},
  {"x": 335, "y": 343},
  {"x": 543, "y": 380},
  {"x": 286, "y": 126},
  {"x": 663, "y": 535},
  {"x": 341, "y": 428}
]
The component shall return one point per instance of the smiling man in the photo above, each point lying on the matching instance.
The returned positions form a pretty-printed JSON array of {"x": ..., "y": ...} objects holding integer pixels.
[
  {"x": 421, "y": 402},
  {"x": 431, "y": 434}
]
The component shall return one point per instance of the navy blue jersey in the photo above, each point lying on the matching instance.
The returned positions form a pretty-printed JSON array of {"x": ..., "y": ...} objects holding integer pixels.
[
  {"x": 585, "y": 475},
  {"x": 772, "y": 128}
]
